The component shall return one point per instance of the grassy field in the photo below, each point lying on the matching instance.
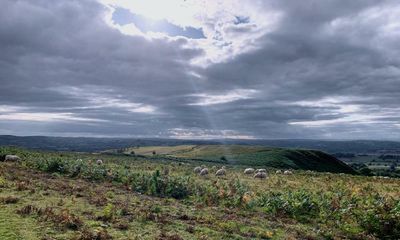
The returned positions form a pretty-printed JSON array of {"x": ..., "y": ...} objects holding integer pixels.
[
  {"x": 250, "y": 156},
  {"x": 58, "y": 196}
]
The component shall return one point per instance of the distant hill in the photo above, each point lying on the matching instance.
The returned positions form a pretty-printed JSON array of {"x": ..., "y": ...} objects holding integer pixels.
[
  {"x": 257, "y": 156},
  {"x": 86, "y": 144},
  {"x": 82, "y": 144}
]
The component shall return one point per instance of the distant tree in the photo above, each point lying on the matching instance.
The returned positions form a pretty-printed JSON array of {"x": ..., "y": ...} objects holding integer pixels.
[
  {"x": 154, "y": 152},
  {"x": 223, "y": 158},
  {"x": 132, "y": 152},
  {"x": 366, "y": 171},
  {"x": 392, "y": 167},
  {"x": 120, "y": 150}
]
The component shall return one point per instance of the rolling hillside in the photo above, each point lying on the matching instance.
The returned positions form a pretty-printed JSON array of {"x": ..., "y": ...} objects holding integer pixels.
[
  {"x": 87, "y": 144},
  {"x": 68, "y": 195},
  {"x": 250, "y": 155}
]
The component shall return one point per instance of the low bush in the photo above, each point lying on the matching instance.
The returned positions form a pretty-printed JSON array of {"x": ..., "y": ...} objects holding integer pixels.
[{"x": 300, "y": 204}]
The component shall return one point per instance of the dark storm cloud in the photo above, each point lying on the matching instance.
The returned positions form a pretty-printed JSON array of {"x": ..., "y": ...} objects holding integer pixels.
[{"x": 319, "y": 74}]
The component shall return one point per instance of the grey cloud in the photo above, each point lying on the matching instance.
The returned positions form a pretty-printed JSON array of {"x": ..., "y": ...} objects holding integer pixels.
[{"x": 61, "y": 57}]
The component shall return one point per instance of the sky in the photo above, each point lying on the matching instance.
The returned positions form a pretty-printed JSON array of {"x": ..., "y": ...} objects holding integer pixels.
[{"x": 201, "y": 69}]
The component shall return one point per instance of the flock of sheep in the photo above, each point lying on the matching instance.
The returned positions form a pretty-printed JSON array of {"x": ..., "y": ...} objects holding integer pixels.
[
  {"x": 258, "y": 173},
  {"x": 202, "y": 171}
]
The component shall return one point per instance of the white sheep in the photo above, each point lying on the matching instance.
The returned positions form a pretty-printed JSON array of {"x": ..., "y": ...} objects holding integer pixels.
[
  {"x": 221, "y": 172},
  {"x": 260, "y": 175},
  {"x": 12, "y": 158},
  {"x": 99, "y": 162},
  {"x": 278, "y": 172},
  {"x": 197, "y": 169},
  {"x": 288, "y": 172},
  {"x": 204, "y": 172},
  {"x": 249, "y": 171},
  {"x": 261, "y": 170}
]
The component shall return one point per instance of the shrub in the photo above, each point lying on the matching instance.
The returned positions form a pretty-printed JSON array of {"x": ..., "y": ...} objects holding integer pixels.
[
  {"x": 178, "y": 187},
  {"x": 53, "y": 165},
  {"x": 382, "y": 219},
  {"x": 300, "y": 204}
]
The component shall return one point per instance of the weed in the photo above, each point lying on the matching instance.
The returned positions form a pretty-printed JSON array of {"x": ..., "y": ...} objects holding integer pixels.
[
  {"x": 21, "y": 186},
  {"x": 108, "y": 212},
  {"x": 3, "y": 182},
  {"x": 165, "y": 236},
  {"x": 121, "y": 225},
  {"x": 27, "y": 210},
  {"x": 87, "y": 234}
]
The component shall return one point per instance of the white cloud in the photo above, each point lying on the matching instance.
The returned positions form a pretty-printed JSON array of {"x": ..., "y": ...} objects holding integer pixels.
[
  {"x": 107, "y": 102},
  {"x": 45, "y": 117},
  {"x": 376, "y": 27},
  {"x": 351, "y": 119},
  {"x": 195, "y": 133},
  {"x": 348, "y": 112},
  {"x": 205, "y": 99},
  {"x": 340, "y": 104},
  {"x": 101, "y": 98},
  {"x": 17, "y": 113}
]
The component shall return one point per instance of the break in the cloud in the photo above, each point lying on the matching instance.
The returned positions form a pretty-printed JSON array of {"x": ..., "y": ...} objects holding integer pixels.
[
  {"x": 201, "y": 69},
  {"x": 206, "y": 99}
]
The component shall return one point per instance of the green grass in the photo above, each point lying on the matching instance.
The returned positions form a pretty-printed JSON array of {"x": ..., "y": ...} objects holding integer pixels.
[
  {"x": 14, "y": 227},
  {"x": 141, "y": 198}
]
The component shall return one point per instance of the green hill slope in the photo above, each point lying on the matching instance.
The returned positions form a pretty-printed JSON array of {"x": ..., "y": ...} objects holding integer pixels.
[{"x": 252, "y": 156}]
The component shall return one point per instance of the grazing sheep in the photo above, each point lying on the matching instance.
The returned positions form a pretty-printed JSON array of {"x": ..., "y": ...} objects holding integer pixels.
[
  {"x": 197, "y": 169},
  {"x": 278, "y": 172},
  {"x": 221, "y": 172},
  {"x": 204, "y": 172},
  {"x": 260, "y": 175},
  {"x": 288, "y": 172},
  {"x": 261, "y": 170},
  {"x": 99, "y": 162},
  {"x": 12, "y": 158},
  {"x": 249, "y": 171}
]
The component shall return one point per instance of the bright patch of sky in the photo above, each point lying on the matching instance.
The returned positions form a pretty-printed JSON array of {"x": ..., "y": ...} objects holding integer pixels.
[
  {"x": 222, "y": 28},
  {"x": 123, "y": 16}
]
